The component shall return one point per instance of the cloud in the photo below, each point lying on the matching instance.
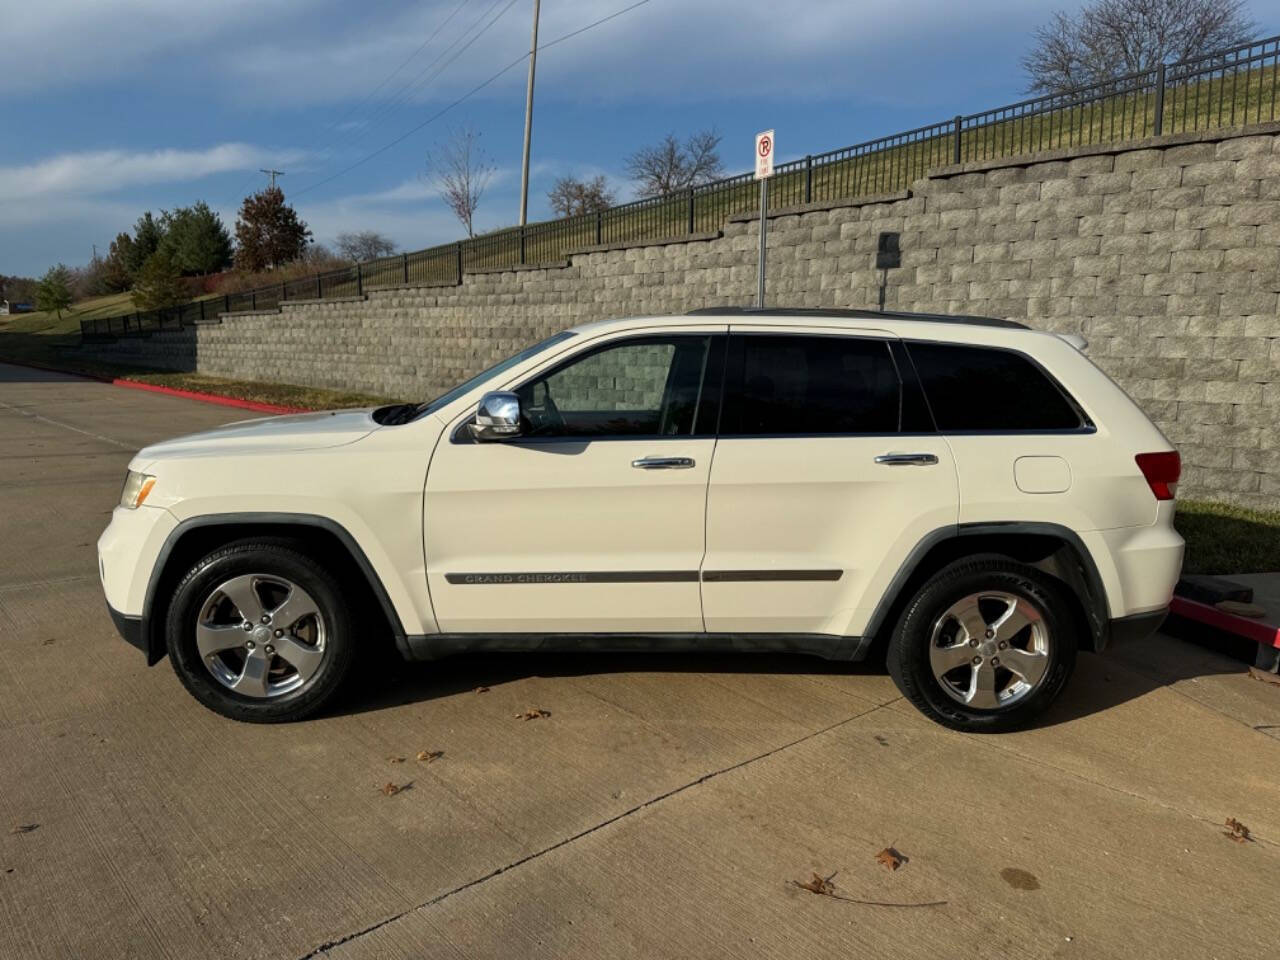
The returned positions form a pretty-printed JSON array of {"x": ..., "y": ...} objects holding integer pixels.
[
  {"x": 829, "y": 49},
  {"x": 56, "y": 43},
  {"x": 98, "y": 172}
]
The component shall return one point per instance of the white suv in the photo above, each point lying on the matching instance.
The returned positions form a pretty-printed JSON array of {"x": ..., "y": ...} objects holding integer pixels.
[{"x": 971, "y": 498}]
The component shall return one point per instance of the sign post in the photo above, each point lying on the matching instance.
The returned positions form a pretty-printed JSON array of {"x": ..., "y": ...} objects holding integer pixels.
[{"x": 764, "y": 170}]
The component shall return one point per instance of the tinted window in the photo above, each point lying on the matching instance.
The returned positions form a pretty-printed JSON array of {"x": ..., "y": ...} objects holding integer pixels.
[
  {"x": 974, "y": 388},
  {"x": 641, "y": 387},
  {"x": 811, "y": 385}
]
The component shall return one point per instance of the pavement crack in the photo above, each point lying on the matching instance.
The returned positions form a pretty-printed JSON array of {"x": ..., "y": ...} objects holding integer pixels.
[
  {"x": 65, "y": 426},
  {"x": 595, "y": 828},
  {"x": 30, "y": 584}
]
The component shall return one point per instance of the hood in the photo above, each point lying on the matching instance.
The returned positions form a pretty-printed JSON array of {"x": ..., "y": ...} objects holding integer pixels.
[{"x": 299, "y": 431}]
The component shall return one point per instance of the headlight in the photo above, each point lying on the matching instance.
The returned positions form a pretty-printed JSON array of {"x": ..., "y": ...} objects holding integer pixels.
[{"x": 136, "y": 488}]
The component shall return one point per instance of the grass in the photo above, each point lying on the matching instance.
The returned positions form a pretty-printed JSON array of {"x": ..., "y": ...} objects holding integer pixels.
[
  {"x": 1225, "y": 539},
  {"x": 48, "y": 322}
]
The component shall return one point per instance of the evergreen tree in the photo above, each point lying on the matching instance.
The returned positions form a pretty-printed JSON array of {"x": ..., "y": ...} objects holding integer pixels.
[
  {"x": 116, "y": 275},
  {"x": 196, "y": 240},
  {"x": 147, "y": 236},
  {"x": 54, "y": 292},
  {"x": 268, "y": 232},
  {"x": 159, "y": 283}
]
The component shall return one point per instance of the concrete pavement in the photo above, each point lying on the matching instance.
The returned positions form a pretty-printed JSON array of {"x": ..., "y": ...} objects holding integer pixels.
[{"x": 661, "y": 810}]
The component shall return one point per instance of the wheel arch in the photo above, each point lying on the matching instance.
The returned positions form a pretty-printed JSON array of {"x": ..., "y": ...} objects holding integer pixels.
[
  {"x": 197, "y": 536},
  {"x": 1052, "y": 548}
]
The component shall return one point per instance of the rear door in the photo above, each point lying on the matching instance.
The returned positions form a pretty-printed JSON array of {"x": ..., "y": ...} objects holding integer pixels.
[{"x": 827, "y": 472}]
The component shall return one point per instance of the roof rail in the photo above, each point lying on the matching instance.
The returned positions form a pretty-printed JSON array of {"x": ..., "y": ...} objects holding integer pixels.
[{"x": 859, "y": 315}]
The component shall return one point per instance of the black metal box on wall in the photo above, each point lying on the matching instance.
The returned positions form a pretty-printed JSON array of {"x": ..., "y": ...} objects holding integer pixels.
[{"x": 888, "y": 253}]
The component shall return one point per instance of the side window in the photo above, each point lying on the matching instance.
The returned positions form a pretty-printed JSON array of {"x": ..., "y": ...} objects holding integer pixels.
[
  {"x": 981, "y": 389},
  {"x": 640, "y": 387},
  {"x": 811, "y": 385}
]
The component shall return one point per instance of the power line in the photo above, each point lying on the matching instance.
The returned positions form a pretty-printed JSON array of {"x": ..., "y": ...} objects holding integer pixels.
[
  {"x": 468, "y": 95},
  {"x": 389, "y": 77},
  {"x": 333, "y": 125},
  {"x": 403, "y": 94},
  {"x": 272, "y": 174}
]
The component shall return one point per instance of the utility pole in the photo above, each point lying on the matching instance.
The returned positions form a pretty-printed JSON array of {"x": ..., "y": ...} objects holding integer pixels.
[
  {"x": 272, "y": 174},
  {"x": 528, "y": 117}
]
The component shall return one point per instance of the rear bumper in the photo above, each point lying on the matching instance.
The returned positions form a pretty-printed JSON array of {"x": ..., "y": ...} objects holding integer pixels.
[
  {"x": 1139, "y": 626},
  {"x": 129, "y": 628}
]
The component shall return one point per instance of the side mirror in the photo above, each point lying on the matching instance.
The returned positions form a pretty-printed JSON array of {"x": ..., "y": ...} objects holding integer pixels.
[{"x": 497, "y": 417}]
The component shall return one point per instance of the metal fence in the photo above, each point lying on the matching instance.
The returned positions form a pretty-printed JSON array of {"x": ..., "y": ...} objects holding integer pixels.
[{"x": 1223, "y": 89}]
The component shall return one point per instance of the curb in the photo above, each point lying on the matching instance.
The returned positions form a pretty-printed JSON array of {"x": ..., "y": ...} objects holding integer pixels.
[
  {"x": 1260, "y": 632},
  {"x": 214, "y": 398}
]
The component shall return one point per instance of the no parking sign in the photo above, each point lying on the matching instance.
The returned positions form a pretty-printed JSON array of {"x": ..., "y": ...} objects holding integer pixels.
[{"x": 764, "y": 154}]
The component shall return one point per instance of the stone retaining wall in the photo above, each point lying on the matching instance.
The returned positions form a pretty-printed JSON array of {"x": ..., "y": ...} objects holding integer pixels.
[{"x": 1165, "y": 254}]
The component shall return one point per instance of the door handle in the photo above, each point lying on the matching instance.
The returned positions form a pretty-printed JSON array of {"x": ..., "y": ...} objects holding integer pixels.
[
  {"x": 663, "y": 463},
  {"x": 907, "y": 459}
]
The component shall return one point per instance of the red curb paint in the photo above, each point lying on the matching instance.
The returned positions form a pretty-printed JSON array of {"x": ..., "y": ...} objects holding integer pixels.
[
  {"x": 215, "y": 398},
  {"x": 1255, "y": 630},
  {"x": 208, "y": 397}
]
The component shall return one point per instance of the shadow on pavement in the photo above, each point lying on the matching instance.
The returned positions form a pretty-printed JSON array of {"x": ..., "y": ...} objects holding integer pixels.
[{"x": 1100, "y": 682}]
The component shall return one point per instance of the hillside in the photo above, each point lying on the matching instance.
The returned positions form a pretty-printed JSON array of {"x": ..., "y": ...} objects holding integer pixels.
[{"x": 48, "y": 323}]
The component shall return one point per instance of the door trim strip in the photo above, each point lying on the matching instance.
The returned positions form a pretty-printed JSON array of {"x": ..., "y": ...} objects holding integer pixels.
[
  {"x": 641, "y": 576},
  {"x": 554, "y": 577},
  {"x": 757, "y": 576}
]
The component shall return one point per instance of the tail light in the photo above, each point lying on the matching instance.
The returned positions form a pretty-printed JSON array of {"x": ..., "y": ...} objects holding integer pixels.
[{"x": 1162, "y": 471}]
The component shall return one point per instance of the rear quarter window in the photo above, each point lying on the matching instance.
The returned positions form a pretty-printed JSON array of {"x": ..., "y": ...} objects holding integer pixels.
[{"x": 980, "y": 389}]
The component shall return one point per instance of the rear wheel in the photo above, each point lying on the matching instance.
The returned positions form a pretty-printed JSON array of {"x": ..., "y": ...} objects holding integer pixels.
[
  {"x": 985, "y": 645},
  {"x": 258, "y": 631}
]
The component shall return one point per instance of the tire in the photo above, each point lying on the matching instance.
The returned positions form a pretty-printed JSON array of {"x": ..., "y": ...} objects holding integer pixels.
[
  {"x": 281, "y": 668},
  {"x": 932, "y": 654}
]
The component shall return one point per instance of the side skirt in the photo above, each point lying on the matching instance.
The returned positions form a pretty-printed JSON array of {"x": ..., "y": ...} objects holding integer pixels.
[{"x": 828, "y": 646}]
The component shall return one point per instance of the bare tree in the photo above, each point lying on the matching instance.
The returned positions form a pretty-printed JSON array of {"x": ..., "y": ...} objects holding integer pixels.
[
  {"x": 462, "y": 171},
  {"x": 1108, "y": 38},
  {"x": 670, "y": 165},
  {"x": 365, "y": 245},
  {"x": 571, "y": 197}
]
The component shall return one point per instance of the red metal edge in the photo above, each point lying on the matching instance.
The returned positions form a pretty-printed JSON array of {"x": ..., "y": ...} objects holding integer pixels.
[
  {"x": 215, "y": 398},
  {"x": 1255, "y": 630}
]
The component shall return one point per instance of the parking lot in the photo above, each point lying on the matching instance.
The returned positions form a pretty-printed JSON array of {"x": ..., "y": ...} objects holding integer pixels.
[{"x": 663, "y": 808}]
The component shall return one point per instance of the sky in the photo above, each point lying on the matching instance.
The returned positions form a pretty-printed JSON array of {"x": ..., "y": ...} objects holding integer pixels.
[{"x": 137, "y": 105}]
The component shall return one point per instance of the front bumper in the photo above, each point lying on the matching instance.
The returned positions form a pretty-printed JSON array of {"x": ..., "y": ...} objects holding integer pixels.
[
  {"x": 129, "y": 628},
  {"x": 128, "y": 551}
]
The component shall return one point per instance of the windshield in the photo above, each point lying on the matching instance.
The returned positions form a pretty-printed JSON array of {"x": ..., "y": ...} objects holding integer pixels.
[{"x": 448, "y": 398}]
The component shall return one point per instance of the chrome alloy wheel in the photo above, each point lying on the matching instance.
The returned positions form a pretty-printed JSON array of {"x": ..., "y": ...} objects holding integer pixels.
[
  {"x": 990, "y": 649},
  {"x": 261, "y": 636}
]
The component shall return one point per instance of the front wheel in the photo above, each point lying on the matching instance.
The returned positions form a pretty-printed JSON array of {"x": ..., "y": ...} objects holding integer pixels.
[
  {"x": 984, "y": 646},
  {"x": 258, "y": 631}
]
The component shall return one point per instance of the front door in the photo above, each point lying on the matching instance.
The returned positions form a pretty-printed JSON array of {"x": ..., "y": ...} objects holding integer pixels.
[
  {"x": 827, "y": 472},
  {"x": 592, "y": 521}
]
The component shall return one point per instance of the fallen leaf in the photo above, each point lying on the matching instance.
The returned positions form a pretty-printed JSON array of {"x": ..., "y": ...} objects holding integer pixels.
[
  {"x": 390, "y": 789},
  {"x": 823, "y": 887},
  {"x": 1266, "y": 676},
  {"x": 25, "y": 828},
  {"x": 482, "y": 689},
  {"x": 395, "y": 759},
  {"x": 819, "y": 885},
  {"x": 426, "y": 756},
  {"x": 1237, "y": 831},
  {"x": 891, "y": 858},
  {"x": 534, "y": 714}
]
